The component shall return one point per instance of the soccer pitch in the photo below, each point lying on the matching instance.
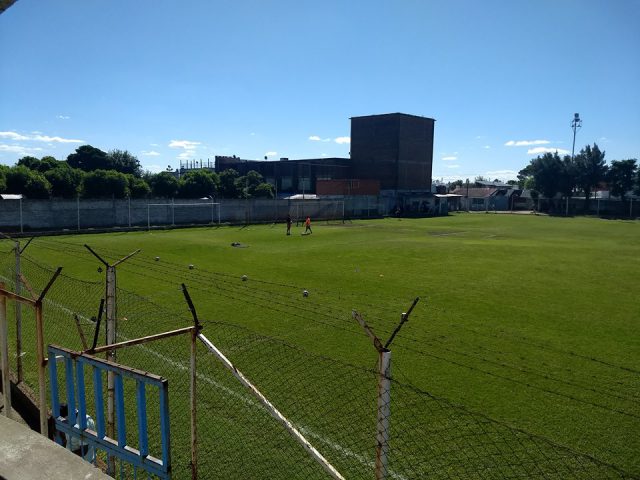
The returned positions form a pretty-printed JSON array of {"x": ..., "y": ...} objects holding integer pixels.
[{"x": 531, "y": 320}]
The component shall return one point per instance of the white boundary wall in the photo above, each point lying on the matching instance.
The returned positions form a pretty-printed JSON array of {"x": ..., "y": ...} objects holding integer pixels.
[{"x": 98, "y": 214}]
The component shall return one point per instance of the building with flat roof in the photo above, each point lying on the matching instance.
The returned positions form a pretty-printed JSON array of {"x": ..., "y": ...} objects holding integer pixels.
[
  {"x": 395, "y": 148},
  {"x": 391, "y": 153}
]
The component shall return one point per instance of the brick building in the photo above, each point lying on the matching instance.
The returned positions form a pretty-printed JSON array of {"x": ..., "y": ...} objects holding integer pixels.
[{"x": 390, "y": 154}]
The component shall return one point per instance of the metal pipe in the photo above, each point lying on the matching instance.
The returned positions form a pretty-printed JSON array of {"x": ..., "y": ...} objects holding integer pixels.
[
  {"x": 194, "y": 426},
  {"x": 18, "y": 306},
  {"x": 4, "y": 354},
  {"x": 42, "y": 363},
  {"x": 138, "y": 341},
  {"x": 384, "y": 412},
  {"x": 111, "y": 356},
  {"x": 317, "y": 456}
]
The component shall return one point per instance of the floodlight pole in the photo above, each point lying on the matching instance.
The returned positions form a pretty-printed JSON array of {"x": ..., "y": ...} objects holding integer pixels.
[{"x": 576, "y": 124}]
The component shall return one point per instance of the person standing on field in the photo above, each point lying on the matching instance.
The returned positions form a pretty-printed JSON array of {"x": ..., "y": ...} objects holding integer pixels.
[
  {"x": 288, "y": 224},
  {"x": 307, "y": 225}
]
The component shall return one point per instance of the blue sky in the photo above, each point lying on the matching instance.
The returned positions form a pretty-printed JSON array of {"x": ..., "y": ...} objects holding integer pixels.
[{"x": 171, "y": 80}]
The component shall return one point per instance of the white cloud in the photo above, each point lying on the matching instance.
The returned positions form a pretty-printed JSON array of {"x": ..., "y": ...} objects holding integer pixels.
[
  {"x": 63, "y": 117},
  {"x": 502, "y": 174},
  {"x": 154, "y": 145},
  {"x": 186, "y": 144},
  {"x": 486, "y": 147},
  {"x": 452, "y": 166},
  {"x": 13, "y": 136},
  {"x": 19, "y": 149},
  {"x": 449, "y": 158},
  {"x": 343, "y": 140},
  {"x": 38, "y": 137},
  {"x": 46, "y": 138},
  {"x": 538, "y": 150},
  {"x": 155, "y": 168},
  {"x": 525, "y": 143},
  {"x": 186, "y": 155},
  {"x": 271, "y": 154},
  {"x": 152, "y": 153},
  {"x": 316, "y": 138}
]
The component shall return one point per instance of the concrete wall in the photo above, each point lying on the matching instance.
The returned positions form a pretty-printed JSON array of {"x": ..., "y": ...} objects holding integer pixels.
[{"x": 38, "y": 215}]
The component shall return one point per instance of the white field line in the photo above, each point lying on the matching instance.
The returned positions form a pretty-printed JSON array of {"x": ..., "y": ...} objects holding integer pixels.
[{"x": 243, "y": 398}]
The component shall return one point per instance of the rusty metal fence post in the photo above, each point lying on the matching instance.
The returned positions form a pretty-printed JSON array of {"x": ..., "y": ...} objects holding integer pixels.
[
  {"x": 18, "y": 308},
  {"x": 36, "y": 303},
  {"x": 111, "y": 314},
  {"x": 4, "y": 354}
]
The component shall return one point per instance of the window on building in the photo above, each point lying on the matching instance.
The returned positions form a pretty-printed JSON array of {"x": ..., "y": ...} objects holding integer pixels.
[
  {"x": 286, "y": 183},
  {"x": 304, "y": 183}
]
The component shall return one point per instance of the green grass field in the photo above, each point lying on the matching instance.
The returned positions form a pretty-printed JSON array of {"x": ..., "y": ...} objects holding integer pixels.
[{"x": 531, "y": 320}]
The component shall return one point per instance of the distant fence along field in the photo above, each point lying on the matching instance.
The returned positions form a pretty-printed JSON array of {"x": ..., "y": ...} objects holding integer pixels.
[{"x": 34, "y": 215}]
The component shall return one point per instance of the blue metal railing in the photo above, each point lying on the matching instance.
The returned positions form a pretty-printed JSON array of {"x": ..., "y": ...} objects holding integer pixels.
[{"x": 120, "y": 447}]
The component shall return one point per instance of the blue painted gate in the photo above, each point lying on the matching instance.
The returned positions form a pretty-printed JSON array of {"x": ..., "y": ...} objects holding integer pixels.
[{"x": 133, "y": 451}]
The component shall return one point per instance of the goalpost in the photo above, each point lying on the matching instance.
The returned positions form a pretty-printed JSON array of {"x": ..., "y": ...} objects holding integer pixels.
[{"x": 215, "y": 210}]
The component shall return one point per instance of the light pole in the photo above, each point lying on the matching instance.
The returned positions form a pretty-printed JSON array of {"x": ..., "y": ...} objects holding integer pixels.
[{"x": 576, "y": 124}]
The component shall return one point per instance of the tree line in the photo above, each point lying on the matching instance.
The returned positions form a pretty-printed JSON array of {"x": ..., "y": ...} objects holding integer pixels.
[
  {"x": 556, "y": 178},
  {"x": 92, "y": 173}
]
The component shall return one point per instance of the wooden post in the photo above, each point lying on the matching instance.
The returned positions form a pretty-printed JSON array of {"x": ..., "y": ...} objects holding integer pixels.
[
  {"x": 4, "y": 354},
  {"x": 42, "y": 364}
]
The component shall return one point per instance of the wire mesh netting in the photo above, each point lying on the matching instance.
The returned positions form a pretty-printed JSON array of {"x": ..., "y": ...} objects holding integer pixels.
[{"x": 333, "y": 403}]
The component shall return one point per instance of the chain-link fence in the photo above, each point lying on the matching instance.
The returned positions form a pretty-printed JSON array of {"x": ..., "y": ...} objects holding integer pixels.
[{"x": 332, "y": 402}]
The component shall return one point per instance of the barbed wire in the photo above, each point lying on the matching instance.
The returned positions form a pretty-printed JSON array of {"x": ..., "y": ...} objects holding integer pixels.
[{"x": 332, "y": 402}]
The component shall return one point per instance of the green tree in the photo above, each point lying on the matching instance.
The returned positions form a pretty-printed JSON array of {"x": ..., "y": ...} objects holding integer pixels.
[
  {"x": 455, "y": 184},
  {"x": 3, "y": 178},
  {"x": 198, "y": 184},
  {"x": 567, "y": 177},
  {"x": 30, "y": 183},
  {"x": 546, "y": 174},
  {"x": 263, "y": 190},
  {"x": 591, "y": 169},
  {"x": 636, "y": 189},
  {"x": 164, "y": 184},
  {"x": 65, "y": 181},
  {"x": 105, "y": 184},
  {"x": 621, "y": 177},
  {"x": 124, "y": 162},
  {"x": 247, "y": 184},
  {"x": 49, "y": 163},
  {"x": 89, "y": 158},
  {"x": 32, "y": 163},
  {"x": 228, "y": 187},
  {"x": 138, "y": 187}
]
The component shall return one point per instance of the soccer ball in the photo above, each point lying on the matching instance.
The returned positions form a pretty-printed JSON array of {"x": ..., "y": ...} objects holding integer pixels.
[
  {"x": 244, "y": 278},
  {"x": 191, "y": 267},
  {"x": 157, "y": 258},
  {"x": 305, "y": 293}
]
